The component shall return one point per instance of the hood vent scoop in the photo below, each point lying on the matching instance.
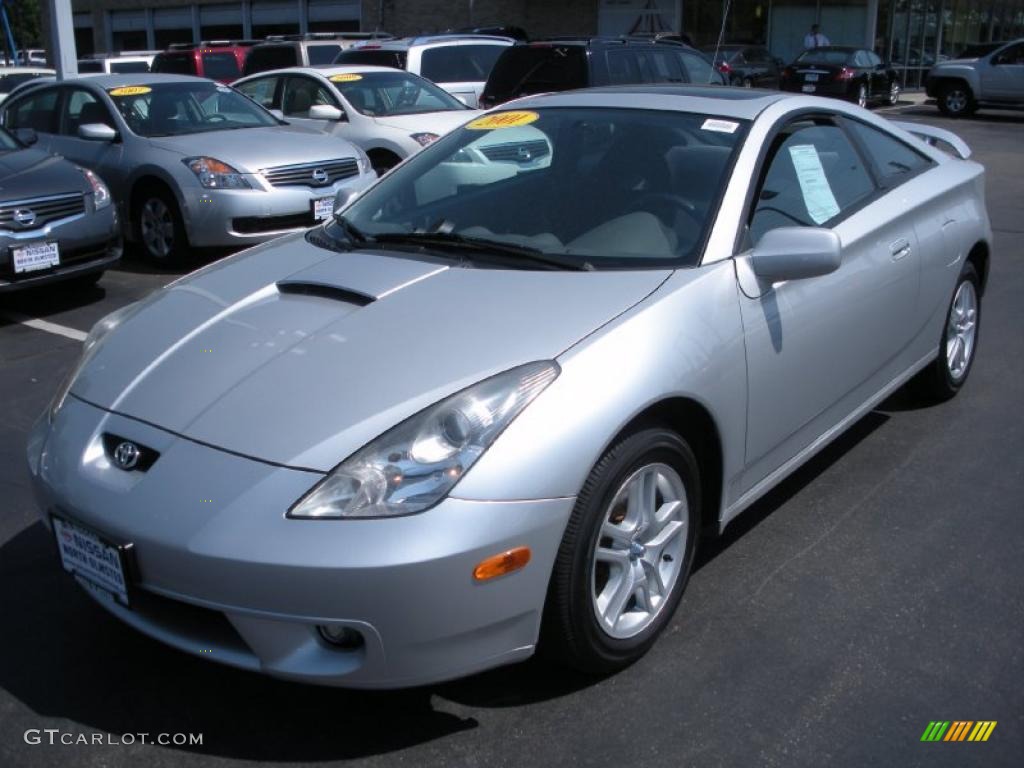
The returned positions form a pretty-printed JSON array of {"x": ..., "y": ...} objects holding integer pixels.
[{"x": 324, "y": 291}]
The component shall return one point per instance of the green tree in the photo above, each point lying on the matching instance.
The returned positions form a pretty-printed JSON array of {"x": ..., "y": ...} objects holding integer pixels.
[{"x": 26, "y": 23}]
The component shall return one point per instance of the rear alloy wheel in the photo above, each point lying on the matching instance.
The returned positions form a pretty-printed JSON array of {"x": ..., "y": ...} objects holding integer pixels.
[
  {"x": 956, "y": 100},
  {"x": 159, "y": 228},
  {"x": 948, "y": 372},
  {"x": 626, "y": 554},
  {"x": 862, "y": 95},
  {"x": 894, "y": 92}
]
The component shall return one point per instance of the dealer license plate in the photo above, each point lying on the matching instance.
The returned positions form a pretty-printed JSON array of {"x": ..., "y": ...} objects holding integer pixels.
[
  {"x": 29, "y": 258},
  {"x": 323, "y": 208},
  {"x": 85, "y": 554}
]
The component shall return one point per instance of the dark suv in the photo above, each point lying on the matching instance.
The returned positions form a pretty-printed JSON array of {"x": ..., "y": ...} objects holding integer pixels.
[
  {"x": 220, "y": 60},
  {"x": 561, "y": 64},
  {"x": 308, "y": 50}
]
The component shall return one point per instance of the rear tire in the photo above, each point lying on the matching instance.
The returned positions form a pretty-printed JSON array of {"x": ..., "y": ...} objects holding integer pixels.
[
  {"x": 956, "y": 100},
  {"x": 945, "y": 375},
  {"x": 626, "y": 554}
]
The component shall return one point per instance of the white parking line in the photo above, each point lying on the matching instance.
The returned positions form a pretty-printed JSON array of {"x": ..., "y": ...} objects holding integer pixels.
[{"x": 46, "y": 325}]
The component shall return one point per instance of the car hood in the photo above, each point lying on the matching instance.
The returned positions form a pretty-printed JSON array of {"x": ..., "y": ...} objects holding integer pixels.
[
  {"x": 296, "y": 355},
  {"x": 34, "y": 173},
  {"x": 251, "y": 149},
  {"x": 433, "y": 122}
]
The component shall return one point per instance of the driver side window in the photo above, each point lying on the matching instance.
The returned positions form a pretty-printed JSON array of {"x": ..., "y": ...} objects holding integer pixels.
[
  {"x": 813, "y": 176},
  {"x": 303, "y": 93}
]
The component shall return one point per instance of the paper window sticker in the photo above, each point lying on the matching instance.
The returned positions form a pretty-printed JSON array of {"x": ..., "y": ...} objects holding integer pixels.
[{"x": 818, "y": 198}]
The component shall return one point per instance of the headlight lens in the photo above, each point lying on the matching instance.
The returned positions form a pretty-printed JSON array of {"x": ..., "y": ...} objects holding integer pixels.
[
  {"x": 89, "y": 348},
  {"x": 100, "y": 191},
  {"x": 415, "y": 465},
  {"x": 213, "y": 174},
  {"x": 423, "y": 139}
]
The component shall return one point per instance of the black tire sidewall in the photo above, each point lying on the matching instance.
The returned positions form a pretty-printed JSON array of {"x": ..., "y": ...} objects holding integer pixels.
[
  {"x": 591, "y": 649},
  {"x": 968, "y": 273},
  {"x": 179, "y": 245}
]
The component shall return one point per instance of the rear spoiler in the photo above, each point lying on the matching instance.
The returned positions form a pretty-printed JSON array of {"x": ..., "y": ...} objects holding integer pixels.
[{"x": 932, "y": 135}]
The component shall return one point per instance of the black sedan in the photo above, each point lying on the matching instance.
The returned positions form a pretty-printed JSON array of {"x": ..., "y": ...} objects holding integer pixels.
[
  {"x": 56, "y": 219},
  {"x": 750, "y": 66},
  {"x": 854, "y": 74}
]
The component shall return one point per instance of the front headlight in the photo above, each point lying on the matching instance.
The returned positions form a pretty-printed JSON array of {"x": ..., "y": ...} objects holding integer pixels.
[
  {"x": 423, "y": 139},
  {"x": 213, "y": 174},
  {"x": 89, "y": 349},
  {"x": 100, "y": 191},
  {"x": 415, "y": 465}
]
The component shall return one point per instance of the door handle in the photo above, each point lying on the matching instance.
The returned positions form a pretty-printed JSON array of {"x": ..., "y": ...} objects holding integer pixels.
[{"x": 899, "y": 248}]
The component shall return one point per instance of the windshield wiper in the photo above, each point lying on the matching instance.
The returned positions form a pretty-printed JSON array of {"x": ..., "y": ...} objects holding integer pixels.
[
  {"x": 352, "y": 232},
  {"x": 509, "y": 254}
]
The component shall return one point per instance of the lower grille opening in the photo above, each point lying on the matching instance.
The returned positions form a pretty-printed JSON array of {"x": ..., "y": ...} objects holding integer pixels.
[{"x": 253, "y": 225}]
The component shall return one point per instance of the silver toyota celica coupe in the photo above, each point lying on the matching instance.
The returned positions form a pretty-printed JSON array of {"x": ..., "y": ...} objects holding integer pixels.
[{"x": 493, "y": 404}]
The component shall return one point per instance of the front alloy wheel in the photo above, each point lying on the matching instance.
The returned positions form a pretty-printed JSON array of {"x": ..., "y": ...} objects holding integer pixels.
[
  {"x": 159, "y": 227},
  {"x": 956, "y": 101},
  {"x": 626, "y": 554}
]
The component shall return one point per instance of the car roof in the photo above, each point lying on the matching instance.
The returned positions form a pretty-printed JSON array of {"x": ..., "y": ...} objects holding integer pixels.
[
  {"x": 718, "y": 100},
  {"x": 137, "y": 78},
  {"x": 404, "y": 43},
  {"x": 326, "y": 70}
]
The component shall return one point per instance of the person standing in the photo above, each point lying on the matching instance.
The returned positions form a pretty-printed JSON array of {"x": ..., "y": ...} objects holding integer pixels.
[{"x": 815, "y": 38}]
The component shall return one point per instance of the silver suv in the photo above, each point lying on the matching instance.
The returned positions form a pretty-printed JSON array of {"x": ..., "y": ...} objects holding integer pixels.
[
  {"x": 458, "y": 63},
  {"x": 983, "y": 75}
]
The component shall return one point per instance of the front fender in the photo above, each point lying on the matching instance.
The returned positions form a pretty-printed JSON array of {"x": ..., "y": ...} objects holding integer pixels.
[{"x": 965, "y": 72}]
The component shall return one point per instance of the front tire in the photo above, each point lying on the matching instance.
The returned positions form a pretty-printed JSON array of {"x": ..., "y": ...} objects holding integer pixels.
[
  {"x": 626, "y": 554},
  {"x": 159, "y": 228},
  {"x": 944, "y": 377},
  {"x": 956, "y": 100}
]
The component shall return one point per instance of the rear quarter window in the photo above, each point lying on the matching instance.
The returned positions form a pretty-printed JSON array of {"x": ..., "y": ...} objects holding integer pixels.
[
  {"x": 220, "y": 66},
  {"x": 263, "y": 58},
  {"x": 459, "y": 63},
  {"x": 699, "y": 69},
  {"x": 894, "y": 160},
  {"x": 373, "y": 58},
  {"x": 322, "y": 54},
  {"x": 174, "y": 64},
  {"x": 525, "y": 70}
]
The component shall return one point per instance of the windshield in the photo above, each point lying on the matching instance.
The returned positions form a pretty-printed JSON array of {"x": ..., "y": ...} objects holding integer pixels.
[
  {"x": 601, "y": 188},
  {"x": 393, "y": 93},
  {"x": 832, "y": 56},
  {"x": 178, "y": 109},
  {"x": 978, "y": 50}
]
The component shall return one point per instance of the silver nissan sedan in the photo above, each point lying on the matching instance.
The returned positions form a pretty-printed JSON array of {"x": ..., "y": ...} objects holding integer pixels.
[{"x": 494, "y": 404}]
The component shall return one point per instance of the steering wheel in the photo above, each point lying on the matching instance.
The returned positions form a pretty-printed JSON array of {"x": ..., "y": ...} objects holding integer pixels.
[{"x": 672, "y": 203}]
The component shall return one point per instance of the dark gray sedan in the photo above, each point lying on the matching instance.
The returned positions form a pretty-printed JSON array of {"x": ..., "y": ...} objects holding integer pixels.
[{"x": 56, "y": 219}]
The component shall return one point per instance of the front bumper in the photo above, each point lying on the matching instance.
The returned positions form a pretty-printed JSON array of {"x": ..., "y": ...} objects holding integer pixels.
[
  {"x": 240, "y": 217},
  {"x": 88, "y": 242},
  {"x": 222, "y": 572}
]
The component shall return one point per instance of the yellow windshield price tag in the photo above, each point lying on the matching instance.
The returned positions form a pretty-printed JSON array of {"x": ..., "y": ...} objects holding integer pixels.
[
  {"x": 502, "y": 120},
  {"x": 130, "y": 90},
  {"x": 348, "y": 77}
]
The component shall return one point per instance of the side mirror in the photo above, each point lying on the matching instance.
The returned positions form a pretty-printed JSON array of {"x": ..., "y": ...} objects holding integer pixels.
[
  {"x": 96, "y": 132},
  {"x": 26, "y": 136},
  {"x": 794, "y": 253},
  {"x": 325, "y": 112}
]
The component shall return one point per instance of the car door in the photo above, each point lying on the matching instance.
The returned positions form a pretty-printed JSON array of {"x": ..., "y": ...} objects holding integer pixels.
[
  {"x": 1003, "y": 78},
  {"x": 36, "y": 110},
  {"x": 300, "y": 94},
  {"x": 818, "y": 348},
  {"x": 78, "y": 107}
]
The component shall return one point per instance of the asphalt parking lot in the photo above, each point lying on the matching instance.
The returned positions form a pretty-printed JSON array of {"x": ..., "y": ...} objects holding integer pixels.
[{"x": 878, "y": 589}]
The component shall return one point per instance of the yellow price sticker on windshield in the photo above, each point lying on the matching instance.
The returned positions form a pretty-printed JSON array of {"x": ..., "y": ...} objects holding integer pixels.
[
  {"x": 130, "y": 90},
  {"x": 348, "y": 77},
  {"x": 502, "y": 120}
]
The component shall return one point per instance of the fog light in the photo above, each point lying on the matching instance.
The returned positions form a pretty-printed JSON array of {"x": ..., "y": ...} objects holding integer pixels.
[
  {"x": 499, "y": 565},
  {"x": 340, "y": 636}
]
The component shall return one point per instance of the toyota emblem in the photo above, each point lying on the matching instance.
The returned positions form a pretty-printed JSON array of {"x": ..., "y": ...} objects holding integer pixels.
[
  {"x": 25, "y": 217},
  {"x": 126, "y": 455},
  {"x": 320, "y": 176}
]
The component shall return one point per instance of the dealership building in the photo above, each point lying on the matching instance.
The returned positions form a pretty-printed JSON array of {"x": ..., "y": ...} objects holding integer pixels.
[{"x": 913, "y": 34}]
